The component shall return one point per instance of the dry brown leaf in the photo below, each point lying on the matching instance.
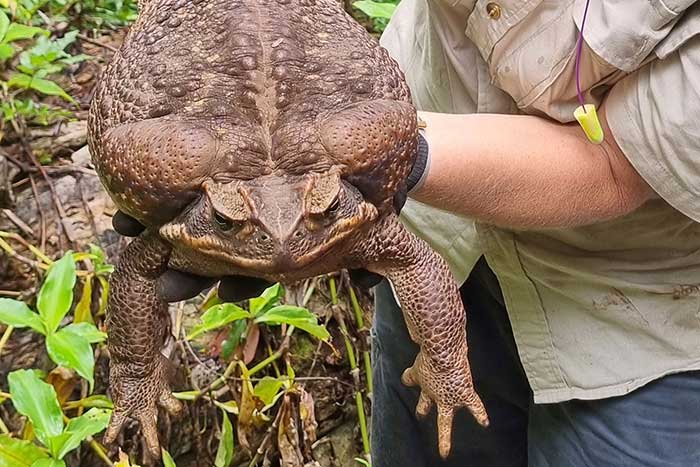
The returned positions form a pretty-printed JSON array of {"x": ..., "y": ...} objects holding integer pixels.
[
  {"x": 288, "y": 437},
  {"x": 64, "y": 382},
  {"x": 308, "y": 419},
  {"x": 251, "y": 343}
]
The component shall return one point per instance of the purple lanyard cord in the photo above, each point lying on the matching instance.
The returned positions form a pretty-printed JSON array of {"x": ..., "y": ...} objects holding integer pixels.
[{"x": 579, "y": 48}]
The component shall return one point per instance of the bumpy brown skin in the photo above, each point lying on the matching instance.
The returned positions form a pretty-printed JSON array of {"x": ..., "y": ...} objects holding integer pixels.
[{"x": 263, "y": 138}]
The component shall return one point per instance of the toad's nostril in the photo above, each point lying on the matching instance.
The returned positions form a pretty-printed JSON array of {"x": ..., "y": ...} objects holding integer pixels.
[
  {"x": 264, "y": 237},
  {"x": 298, "y": 234}
]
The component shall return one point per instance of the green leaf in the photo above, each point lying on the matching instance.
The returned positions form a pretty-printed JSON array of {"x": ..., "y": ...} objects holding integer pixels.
[
  {"x": 79, "y": 428},
  {"x": 56, "y": 295},
  {"x": 235, "y": 336},
  {"x": 167, "y": 459},
  {"x": 49, "y": 463},
  {"x": 18, "y": 314},
  {"x": 217, "y": 316},
  {"x": 37, "y": 401},
  {"x": 49, "y": 88},
  {"x": 375, "y": 9},
  {"x": 72, "y": 350},
  {"x": 4, "y": 24},
  {"x": 18, "y": 452},
  {"x": 294, "y": 316},
  {"x": 267, "y": 388},
  {"x": 6, "y": 52},
  {"x": 19, "y": 80},
  {"x": 224, "y": 455},
  {"x": 17, "y": 32},
  {"x": 87, "y": 331},
  {"x": 269, "y": 298}
]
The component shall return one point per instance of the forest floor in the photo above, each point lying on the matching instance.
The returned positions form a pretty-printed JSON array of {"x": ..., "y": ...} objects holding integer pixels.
[{"x": 292, "y": 399}]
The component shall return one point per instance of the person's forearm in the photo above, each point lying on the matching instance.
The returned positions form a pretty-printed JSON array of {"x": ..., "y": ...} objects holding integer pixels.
[{"x": 525, "y": 172}]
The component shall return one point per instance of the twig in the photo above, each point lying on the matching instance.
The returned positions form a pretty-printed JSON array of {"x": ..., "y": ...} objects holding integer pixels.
[
  {"x": 85, "y": 38},
  {"x": 18, "y": 222},
  {"x": 42, "y": 215},
  {"x": 54, "y": 196},
  {"x": 10, "y": 293}
]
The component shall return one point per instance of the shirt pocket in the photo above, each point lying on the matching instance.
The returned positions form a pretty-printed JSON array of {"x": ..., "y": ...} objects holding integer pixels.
[
  {"x": 532, "y": 57},
  {"x": 686, "y": 28}
]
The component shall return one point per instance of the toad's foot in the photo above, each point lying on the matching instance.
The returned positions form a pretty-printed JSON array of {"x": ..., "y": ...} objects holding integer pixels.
[
  {"x": 436, "y": 321},
  {"x": 138, "y": 324},
  {"x": 450, "y": 388},
  {"x": 139, "y": 397}
]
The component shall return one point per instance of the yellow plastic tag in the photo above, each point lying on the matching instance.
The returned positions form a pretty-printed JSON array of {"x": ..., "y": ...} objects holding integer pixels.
[{"x": 588, "y": 119}]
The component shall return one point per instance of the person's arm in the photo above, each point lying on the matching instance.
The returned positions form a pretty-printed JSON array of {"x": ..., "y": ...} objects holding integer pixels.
[{"x": 525, "y": 172}]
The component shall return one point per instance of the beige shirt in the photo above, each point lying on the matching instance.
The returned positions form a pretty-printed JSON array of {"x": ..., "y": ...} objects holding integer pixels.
[{"x": 600, "y": 310}]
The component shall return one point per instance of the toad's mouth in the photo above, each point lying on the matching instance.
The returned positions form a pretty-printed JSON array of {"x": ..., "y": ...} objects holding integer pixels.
[{"x": 280, "y": 262}]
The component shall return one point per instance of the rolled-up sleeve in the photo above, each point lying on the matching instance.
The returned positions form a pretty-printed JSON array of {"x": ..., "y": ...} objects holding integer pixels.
[{"x": 654, "y": 115}]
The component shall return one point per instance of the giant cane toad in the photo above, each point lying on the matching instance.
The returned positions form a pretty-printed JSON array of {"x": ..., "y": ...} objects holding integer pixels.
[{"x": 263, "y": 138}]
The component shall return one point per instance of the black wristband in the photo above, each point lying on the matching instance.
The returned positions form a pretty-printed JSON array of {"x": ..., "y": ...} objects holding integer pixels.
[{"x": 419, "y": 165}]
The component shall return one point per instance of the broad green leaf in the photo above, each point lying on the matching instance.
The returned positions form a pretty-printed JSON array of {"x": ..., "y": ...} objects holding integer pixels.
[
  {"x": 224, "y": 454},
  {"x": 79, "y": 428},
  {"x": 49, "y": 88},
  {"x": 18, "y": 314},
  {"x": 217, "y": 316},
  {"x": 37, "y": 401},
  {"x": 49, "y": 463},
  {"x": 4, "y": 24},
  {"x": 167, "y": 459},
  {"x": 294, "y": 316},
  {"x": 16, "y": 32},
  {"x": 6, "y": 52},
  {"x": 267, "y": 299},
  {"x": 375, "y": 9},
  {"x": 267, "y": 388},
  {"x": 72, "y": 350},
  {"x": 87, "y": 331},
  {"x": 56, "y": 295},
  {"x": 19, "y": 80},
  {"x": 18, "y": 452}
]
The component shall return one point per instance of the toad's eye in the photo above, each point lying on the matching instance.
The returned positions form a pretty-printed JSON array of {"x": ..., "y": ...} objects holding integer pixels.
[
  {"x": 223, "y": 222},
  {"x": 333, "y": 208}
]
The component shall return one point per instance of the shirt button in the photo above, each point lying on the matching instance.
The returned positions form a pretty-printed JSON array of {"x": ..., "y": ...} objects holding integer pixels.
[{"x": 493, "y": 10}]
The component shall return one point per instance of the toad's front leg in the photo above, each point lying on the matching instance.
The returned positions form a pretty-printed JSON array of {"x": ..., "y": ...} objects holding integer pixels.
[
  {"x": 436, "y": 320},
  {"x": 137, "y": 326}
]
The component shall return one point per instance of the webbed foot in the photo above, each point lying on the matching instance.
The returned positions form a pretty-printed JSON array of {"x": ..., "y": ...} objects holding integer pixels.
[
  {"x": 137, "y": 394},
  {"x": 449, "y": 387}
]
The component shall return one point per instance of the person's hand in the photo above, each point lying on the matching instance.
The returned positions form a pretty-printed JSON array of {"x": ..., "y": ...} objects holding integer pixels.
[{"x": 175, "y": 286}]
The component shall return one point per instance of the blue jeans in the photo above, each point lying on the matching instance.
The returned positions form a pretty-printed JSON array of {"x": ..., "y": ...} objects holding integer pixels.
[{"x": 655, "y": 426}]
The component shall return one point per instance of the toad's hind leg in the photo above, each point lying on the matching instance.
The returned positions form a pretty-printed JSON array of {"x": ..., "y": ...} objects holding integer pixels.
[
  {"x": 137, "y": 326},
  {"x": 436, "y": 320}
]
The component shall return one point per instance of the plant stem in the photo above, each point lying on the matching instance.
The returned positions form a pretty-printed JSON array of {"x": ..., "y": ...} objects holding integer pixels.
[
  {"x": 363, "y": 422},
  {"x": 354, "y": 369},
  {"x": 100, "y": 451},
  {"x": 5, "y": 337},
  {"x": 361, "y": 324}
]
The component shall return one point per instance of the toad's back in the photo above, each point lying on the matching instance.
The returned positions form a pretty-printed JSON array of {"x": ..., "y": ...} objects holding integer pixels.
[{"x": 257, "y": 75}]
